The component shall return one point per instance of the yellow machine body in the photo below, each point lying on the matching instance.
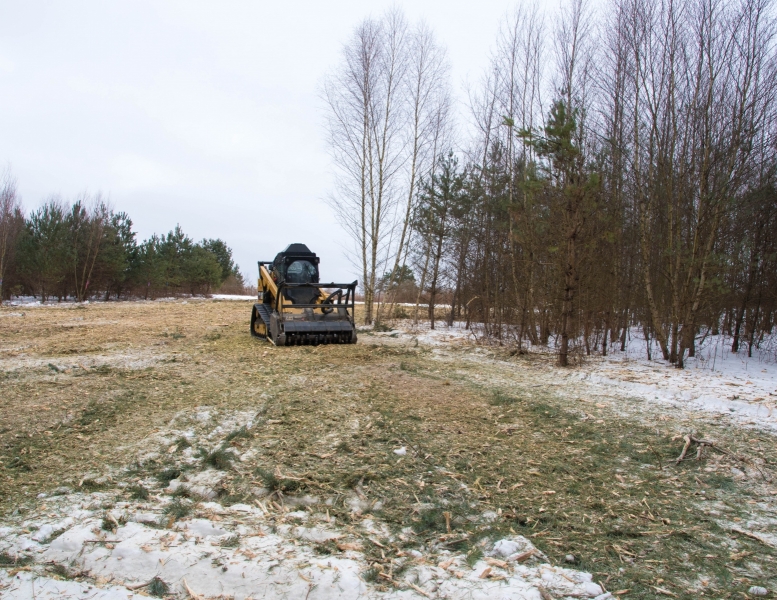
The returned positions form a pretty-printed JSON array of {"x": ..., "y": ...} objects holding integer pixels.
[{"x": 294, "y": 308}]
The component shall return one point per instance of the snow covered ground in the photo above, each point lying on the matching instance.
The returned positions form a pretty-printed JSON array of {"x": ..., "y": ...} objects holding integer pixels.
[
  {"x": 715, "y": 381},
  {"x": 32, "y": 302},
  {"x": 77, "y": 544},
  {"x": 232, "y": 297}
]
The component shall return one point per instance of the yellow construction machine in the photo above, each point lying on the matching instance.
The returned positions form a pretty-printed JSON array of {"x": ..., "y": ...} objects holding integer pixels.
[{"x": 294, "y": 309}]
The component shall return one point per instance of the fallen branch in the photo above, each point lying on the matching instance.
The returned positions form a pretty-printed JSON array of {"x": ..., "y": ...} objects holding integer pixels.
[
  {"x": 544, "y": 593},
  {"x": 280, "y": 475},
  {"x": 137, "y": 586},
  {"x": 456, "y": 541},
  {"x": 397, "y": 584},
  {"x": 754, "y": 536},
  {"x": 191, "y": 593},
  {"x": 419, "y": 590},
  {"x": 687, "y": 445},
  {"x": 689, "y": 439},
  {"x": 664, "y": 591},
  {"x": 524, "y": 556}
]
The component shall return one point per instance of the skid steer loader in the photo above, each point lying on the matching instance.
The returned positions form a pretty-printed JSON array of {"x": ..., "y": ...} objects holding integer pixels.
[{"x": 294, "y": 309}]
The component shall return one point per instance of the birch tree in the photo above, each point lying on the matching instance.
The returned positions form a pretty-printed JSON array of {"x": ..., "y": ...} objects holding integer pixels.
[
  {"x": 428, "y": 97},
  {"x": 366, "y": 121},
  {"x": 11, "y": 225},
  {"x": 520, "y": 50}
]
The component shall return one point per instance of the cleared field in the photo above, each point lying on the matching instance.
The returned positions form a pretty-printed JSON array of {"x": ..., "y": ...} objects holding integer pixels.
[{"x": 420, "y": 454}]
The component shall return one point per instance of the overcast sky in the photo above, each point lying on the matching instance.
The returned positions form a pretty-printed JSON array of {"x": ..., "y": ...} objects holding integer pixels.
[{"x": 203, "y": 114}]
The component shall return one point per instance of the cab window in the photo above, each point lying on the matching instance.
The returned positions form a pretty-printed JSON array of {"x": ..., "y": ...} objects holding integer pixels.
[{"x": 300, "y": 271}]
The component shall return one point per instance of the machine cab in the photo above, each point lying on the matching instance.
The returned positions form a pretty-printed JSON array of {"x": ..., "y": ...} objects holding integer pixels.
[{"x": 298, "y": 265}]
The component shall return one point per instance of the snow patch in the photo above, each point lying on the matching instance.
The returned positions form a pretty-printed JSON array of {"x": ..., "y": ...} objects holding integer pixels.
[{"x": 242, "y": 550}]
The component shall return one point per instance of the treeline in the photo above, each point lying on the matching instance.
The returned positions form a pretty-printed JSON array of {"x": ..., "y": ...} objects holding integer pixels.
[
  {"x": 83, "y": 249},
  {"x": 619, "y": 173}
]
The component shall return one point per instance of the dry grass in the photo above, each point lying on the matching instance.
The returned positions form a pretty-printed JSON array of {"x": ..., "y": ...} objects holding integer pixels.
[{"x": 482, "y": 434}]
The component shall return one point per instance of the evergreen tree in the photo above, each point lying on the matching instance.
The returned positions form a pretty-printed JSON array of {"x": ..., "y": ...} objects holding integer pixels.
[
  {"x": 223, "y": 254},
  {"x": 436, "y": 203},
  {"x": 573, "y": 189},
  {"x": 201, "y": 270},
  {"x": 119, "y": 260},
  {"x": 44, "y": 252}
]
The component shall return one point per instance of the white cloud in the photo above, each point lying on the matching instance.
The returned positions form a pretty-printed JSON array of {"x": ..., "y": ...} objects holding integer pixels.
[
  {"x": 6, "y": 64},
  {"x": 134, "y": 173},
  {"x": 201, "y": 113}
]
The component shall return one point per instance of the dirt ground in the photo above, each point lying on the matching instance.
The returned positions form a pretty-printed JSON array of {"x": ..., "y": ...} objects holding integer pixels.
[{"x": 424, "y": 436}]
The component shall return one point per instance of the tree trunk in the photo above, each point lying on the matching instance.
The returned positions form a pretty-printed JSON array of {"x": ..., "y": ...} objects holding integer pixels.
[{"x": 570, "y": 281}]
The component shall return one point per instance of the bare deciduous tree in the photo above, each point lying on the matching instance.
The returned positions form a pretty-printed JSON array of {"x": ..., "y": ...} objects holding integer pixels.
[
  {"x": 11, "y": 223},
  {"x": 428, "y": 98},
  {"x": 650, "y": 175},
  {"x": 389, "y": 104},
  {"x": 366, "y": 121}
]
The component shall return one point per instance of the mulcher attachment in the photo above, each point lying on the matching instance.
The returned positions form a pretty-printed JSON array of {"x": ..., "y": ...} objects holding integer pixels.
[{"x": 294, "y": 309}]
